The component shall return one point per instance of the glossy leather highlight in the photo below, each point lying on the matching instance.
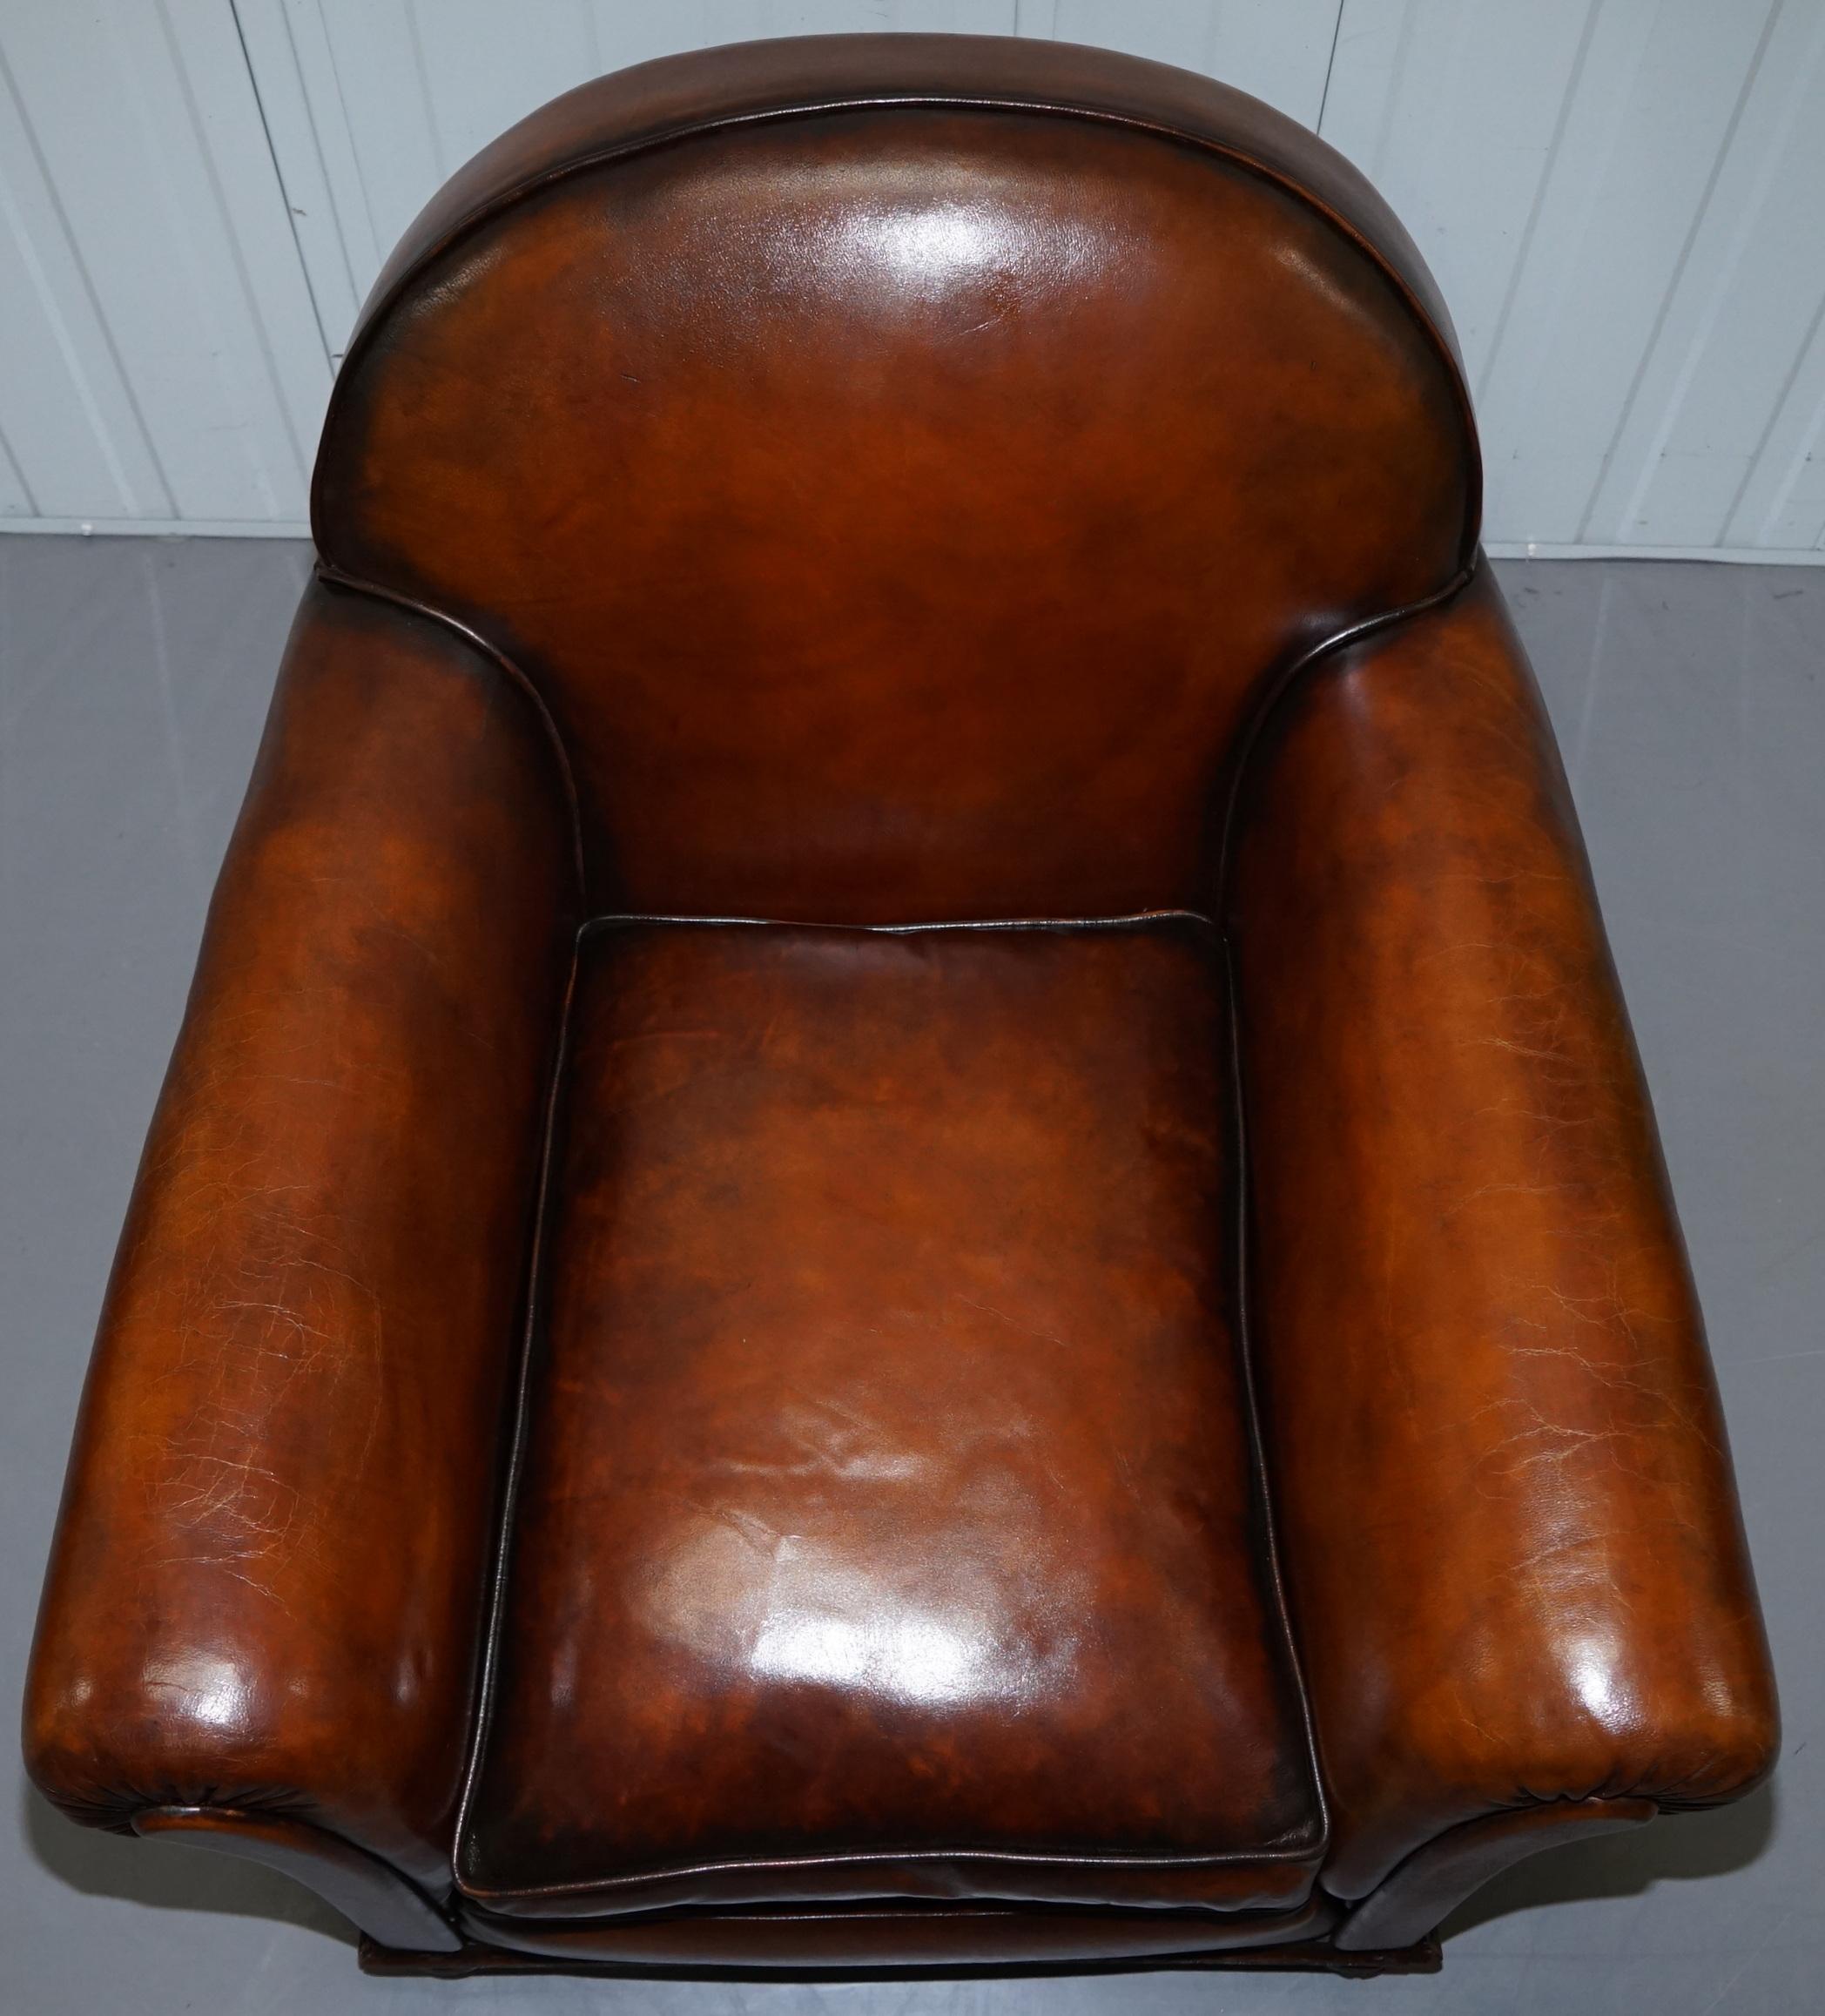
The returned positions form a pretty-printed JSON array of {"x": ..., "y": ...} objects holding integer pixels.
[{"x": 888, "y": 1525}]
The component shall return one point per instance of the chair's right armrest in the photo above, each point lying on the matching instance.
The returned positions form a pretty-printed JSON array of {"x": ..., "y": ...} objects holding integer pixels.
[
  {"x": 264, "y": 1603},
  {"x": 1510, "y": 1529}
]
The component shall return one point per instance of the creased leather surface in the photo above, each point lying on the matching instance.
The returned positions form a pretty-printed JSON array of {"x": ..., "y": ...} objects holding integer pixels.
[
  {"x": 267, "y": 1582},
  {"x": 888, "y": 1525},
  {"x": 1509, "y": 1530}
]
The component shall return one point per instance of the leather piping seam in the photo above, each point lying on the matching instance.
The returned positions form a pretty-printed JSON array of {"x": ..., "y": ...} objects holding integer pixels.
[
  {"x": 1132, "y": 920},
  {"x": 1251, "y": 1409},
  {"x": 495, "y": 1593},
  {"x": 916, "y": 1912},
  {"x": 334, "y": 577},
  {"x": 874, "y": 1858},
  {"x": 1275, "y": 693},
  {"x": 517, "y": 192}
]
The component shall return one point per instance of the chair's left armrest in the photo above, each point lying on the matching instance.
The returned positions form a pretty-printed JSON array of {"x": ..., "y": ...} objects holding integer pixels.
[{"x": 263, "y": 1608}]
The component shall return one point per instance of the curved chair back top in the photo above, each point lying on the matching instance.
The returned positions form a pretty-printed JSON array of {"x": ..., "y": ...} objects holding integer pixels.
[{"x": 902, "y": 464}]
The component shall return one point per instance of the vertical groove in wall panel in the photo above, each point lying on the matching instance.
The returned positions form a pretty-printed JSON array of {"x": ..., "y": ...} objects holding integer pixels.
[
  {"x": 1520, "y": 256},
  {"x": 1453, "y": 110},
  {"x": 1742, "y": 318},
  {"x": 16, "y": 498},
  {"x": 149, "y": 217},
  {"x": 74, "y": 433},
  {"x": 486, "y": 66},
  {"x": 272, "y": 368},
  {"x": 297, "y": 147},
  {"x": 1620, "y": 198},
  {"x": 332, "y": 140},
  {"x": 622, "y": 35},
  {"x": 1783, "y": 502},
  {"x": 1699, "y": 207},
  {"x": 297, "y": 218},
  {"x": 374, "y": 77},
  {"x": 441, "y": 157},
  {"x": 1279, "y": 49}
]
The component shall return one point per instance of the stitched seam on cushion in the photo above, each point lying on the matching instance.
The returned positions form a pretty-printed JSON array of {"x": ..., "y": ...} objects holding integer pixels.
[
  {"x": 915, "y": 1910},
  {"x": 1130, "y": 920},
  {"x": 506, "y": 200},
  {"x": 591, "y": 1886}
]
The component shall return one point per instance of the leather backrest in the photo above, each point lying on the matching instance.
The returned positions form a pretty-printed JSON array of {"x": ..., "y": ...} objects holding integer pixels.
[{"x": 901, "y": 463}]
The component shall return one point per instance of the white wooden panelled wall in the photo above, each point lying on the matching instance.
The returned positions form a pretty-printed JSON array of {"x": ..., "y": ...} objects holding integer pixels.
[{"x": 1624, "y": 201}]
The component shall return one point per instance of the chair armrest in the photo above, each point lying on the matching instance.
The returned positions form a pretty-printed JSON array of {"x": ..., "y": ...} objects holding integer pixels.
[
  {"x": 1511, "y": 1535},
  {"x": 266, "y": 1589}
]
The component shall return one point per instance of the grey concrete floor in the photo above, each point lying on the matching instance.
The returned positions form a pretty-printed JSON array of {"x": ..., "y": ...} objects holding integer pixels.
[{"x": 1690, "y": 701}]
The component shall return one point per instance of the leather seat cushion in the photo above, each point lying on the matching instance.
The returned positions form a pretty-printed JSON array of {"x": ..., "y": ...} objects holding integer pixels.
[{"x": 886, "y": 1523}]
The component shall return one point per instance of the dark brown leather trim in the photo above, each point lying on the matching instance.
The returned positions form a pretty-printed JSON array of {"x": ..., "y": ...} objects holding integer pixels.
[{"x": 371, "y": 1894}]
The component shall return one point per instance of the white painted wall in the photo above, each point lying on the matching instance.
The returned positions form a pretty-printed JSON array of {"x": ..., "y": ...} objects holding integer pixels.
[{"x": 1624, "y": 201}]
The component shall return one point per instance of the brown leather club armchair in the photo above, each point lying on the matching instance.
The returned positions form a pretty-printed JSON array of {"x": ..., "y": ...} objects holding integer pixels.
[{"x": 904, "y": 1217}]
